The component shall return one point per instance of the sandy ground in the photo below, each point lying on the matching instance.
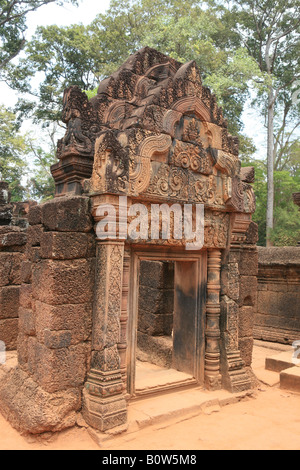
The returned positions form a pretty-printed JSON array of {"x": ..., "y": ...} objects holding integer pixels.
[{"x": 268, "y": 421}]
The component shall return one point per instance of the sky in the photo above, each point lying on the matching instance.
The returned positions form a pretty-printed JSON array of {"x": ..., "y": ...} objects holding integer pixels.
[
  {"x": 61, "y": 16},
  {"x": 85, "y": 13}
]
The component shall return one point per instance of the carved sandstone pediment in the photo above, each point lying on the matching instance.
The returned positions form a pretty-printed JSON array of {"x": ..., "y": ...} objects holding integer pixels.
[{"x": 159, "y": 135}]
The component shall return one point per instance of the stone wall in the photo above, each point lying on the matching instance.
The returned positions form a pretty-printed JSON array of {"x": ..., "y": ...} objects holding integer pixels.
[
  {"x": 155, "y": 314},
  {"x": 55, "y": 318},
  {"x": 12, "y": 247},
  {"x": 238, "y": 305},
  {"x": 277, "y": 315}
]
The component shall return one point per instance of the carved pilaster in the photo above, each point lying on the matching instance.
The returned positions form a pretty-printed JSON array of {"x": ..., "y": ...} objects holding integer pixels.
[
  {"x": 104, "y": 400},
  {"x": 212, "y": 349},
  {"x": 122, "y": 345}
]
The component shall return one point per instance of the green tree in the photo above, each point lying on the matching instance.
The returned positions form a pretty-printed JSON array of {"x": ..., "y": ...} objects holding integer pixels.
[
  {"x": 184, "y": 30},
  {"x": 13, "y": 15},
  {"x": 270, "y": 31},
  {"x": 13, "y": 153},
  {"x": 286, "y": 230}
]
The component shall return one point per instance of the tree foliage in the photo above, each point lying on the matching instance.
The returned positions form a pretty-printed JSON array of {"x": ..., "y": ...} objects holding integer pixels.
[
  {"x": 13, "y": 152},
  {"x": 13, "y": 15},
  {"x": 244, "y": 49},
  {"x": 270, "y": 32},
  {"x": 184, "y": 30}
]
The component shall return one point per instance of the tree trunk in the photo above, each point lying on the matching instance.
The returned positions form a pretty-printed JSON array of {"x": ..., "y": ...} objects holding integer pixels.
[{"x": 270, "y": 167}]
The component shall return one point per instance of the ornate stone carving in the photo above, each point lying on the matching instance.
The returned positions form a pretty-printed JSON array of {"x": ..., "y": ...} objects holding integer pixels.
[
  {"x": 216, "y": 229},
  {"x": 141, "y": 176},
  {"x": 228, "y": 163},
  {"x": 212, "y": 350},
  {"x": 193, "y": 105},
  {"x": 82, "y": 125},
  {"x": 104, "y": 401},
  {"x": 192, "y": 157},
  {"x": 111, "y": 165}
]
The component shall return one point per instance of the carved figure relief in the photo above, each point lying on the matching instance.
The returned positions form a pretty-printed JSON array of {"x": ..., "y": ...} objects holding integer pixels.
[
  {"x": 82, "y": 126},
  {"x": 111, "y": 165}
]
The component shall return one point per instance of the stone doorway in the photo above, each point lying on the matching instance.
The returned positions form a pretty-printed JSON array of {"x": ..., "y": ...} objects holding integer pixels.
[{"x": 166, "y": 324}]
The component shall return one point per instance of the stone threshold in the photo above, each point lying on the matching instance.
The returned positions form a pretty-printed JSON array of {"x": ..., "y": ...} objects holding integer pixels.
[{"x": 166, "y": 409}]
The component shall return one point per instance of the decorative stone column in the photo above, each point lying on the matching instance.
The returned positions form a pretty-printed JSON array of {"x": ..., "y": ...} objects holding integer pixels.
[
  {"x": 104, "y": 398},
  {"x": 212, "y": 348},
  {"x": 122, "y": 345}
]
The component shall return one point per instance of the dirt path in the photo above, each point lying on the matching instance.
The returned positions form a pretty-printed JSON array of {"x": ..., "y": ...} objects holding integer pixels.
[{"x": 269, "y": 421}]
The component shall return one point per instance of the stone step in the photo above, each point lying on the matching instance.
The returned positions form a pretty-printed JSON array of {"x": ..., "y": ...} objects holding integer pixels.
[
  {"x": 290, "y": 379},
  {"x": 280, "y": 362}
]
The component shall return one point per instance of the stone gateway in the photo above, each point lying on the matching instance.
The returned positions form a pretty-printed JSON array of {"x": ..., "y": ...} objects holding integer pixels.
[{"x": 96, "y": 312}]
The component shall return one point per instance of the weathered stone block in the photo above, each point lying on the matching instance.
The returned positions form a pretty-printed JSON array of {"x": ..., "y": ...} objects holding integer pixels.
[
  {"x": 32, "y": 410},
  {"x": 246, "y": 321},
  {"x": 26, "y": 295},
  {"x": 267, "y": 302},
  {"x": 9, "y": 333},
  {"x": 26, "y": 321},
  {"x": 35, "y": 215},
  {"x": 62, "y": 245},
  {"x": 57, "y": 339},
  {"x": 246, "y": 349},
  {"x": 9, "y": 301},
  {"x": 248, "y": 265},
  {"x": 156, "y": 300},
  {"x": 22, "y": 348},
  {"x": 63, "y": 282},
  {"x": 229, "y": 323},
  {"x": 12, "y": 241},
  {"x": 230, "y": 281},
  {"x": 252, "y": 234},
  {"x": 155, "y": 324},
  {"x": 157, "y": 274},
  {"x": 34, "y": 235},
  {"x": 6, "y": 214},
  {"x": 33, "y": 253},
  {"x": 67, "y": 214},
  {"x": 26, "y": 272},
  {"x": 58, "y": 369},
  {"x": 248, "y": 291},
  {"x": 10, "y": 268},
  {"x": 76, "y": 319}
]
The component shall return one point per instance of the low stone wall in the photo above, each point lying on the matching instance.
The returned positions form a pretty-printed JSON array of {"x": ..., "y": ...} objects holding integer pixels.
[
  {"x": 43, "y": 393},
  {"x": 12, "y": 248},
  {"x": 277, "y": 317}
]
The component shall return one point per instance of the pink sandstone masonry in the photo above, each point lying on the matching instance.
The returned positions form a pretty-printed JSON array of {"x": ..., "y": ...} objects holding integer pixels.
[
  {"x": 277, "y": 314},
  {"x": 13, "y": 223},
  {"x": 153, "y": 134},
  {"x": 55, "y": 316}
]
